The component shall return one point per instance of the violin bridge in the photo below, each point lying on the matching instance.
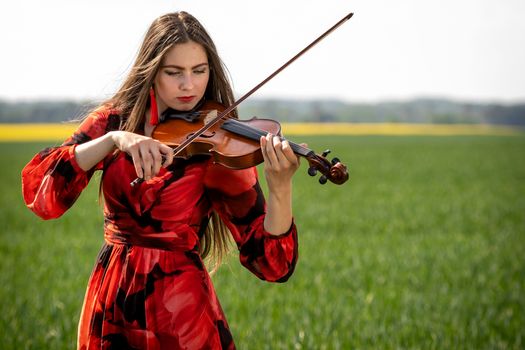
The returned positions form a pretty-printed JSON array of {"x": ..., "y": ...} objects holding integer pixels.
[{"x": 210, "y": 116}]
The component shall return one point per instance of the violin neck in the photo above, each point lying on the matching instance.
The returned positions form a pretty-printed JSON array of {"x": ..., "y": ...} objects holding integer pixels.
[{"x": 253, "y": 133}]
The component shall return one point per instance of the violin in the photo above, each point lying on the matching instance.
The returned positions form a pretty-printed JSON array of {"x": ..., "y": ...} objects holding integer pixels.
[{"x": 235, "y": 143}]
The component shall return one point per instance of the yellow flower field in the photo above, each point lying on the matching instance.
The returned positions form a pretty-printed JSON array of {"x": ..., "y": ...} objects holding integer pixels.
[
  {"x": 58, "y": 132},
  {"x": 394, "y": 129},
  {"x": 36, "y": 132}
]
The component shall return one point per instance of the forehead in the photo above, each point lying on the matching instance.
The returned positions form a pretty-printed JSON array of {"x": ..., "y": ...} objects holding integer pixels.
[{"x": 185, "y": 55}]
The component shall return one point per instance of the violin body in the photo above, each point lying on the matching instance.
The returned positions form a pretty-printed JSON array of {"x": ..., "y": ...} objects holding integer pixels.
[
  {"x": 229, "y": 149},
  {"x": 233, "y": 143}
]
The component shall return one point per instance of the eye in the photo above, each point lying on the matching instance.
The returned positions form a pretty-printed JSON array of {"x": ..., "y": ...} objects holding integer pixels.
[
  {"x": 200, "y": 71},
  {"x": 172, "y": 73}
]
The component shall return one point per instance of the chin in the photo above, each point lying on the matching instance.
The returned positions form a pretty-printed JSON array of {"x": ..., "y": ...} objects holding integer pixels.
[{"x": 184, "y": 106}]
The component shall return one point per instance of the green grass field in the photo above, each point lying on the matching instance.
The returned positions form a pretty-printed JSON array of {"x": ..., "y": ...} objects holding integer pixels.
[{"x": 422, "y": 249}]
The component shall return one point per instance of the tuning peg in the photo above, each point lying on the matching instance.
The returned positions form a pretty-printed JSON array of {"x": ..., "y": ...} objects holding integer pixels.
[
  {"x": 335, "y": 161},
  {"x": 312, "y": 171},
  {"x": 322, "y": 179},
  {"x": 325, "y": 153}
]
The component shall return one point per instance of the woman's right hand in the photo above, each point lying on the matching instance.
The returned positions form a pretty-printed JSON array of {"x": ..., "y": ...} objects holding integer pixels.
[{"x": 148, "y": 154}]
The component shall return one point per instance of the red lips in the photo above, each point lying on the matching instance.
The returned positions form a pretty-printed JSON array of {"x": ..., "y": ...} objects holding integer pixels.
[{"x": 186, "y": 99}]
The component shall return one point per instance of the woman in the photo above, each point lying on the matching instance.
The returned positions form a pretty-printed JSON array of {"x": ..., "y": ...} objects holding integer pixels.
[{"x": 149, "y": 288}]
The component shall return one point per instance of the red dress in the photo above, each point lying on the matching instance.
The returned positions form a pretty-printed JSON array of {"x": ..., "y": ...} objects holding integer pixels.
[{"x": 149, "y": 288}]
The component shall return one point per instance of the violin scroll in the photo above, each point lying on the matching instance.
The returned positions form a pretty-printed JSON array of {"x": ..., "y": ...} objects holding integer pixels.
[{"x": 333, "y": 170}]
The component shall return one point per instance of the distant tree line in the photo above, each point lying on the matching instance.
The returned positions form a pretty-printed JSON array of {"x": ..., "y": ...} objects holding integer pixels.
[
  {"x": 436, "y": 111},
  {"x": 415, "y": 111},
  {"x": 43, "y": 111}
]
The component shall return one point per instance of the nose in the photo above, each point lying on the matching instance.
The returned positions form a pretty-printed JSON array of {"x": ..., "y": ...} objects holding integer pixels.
[{"x": 186, "y": 82}]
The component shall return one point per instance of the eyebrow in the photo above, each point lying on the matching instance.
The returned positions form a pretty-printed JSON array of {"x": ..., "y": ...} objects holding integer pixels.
[{"x": 179, "y": 67}]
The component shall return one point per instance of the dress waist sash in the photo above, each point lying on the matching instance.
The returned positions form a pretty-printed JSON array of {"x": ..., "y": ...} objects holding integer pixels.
[{"x": 181, "y": 239}]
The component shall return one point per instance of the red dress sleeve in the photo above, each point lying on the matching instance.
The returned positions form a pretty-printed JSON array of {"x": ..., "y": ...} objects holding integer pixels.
[
  {"x": 239, "y": 200},
  {"x": 52, "y": 180}
]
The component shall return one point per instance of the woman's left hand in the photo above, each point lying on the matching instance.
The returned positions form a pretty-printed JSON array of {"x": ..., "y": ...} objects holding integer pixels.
[{"x": 280, "y": 162}]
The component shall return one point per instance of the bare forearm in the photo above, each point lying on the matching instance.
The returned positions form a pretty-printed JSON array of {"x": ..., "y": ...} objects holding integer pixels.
[
  {"x": 280, "y": 163},
  {"x": 148, "y": 155},
  {"x": 279, "y": 211},
  {"x": 90, "y": 153}
]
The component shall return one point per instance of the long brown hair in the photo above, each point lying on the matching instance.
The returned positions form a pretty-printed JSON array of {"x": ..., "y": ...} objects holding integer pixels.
[{"x": 132, "y": 98}]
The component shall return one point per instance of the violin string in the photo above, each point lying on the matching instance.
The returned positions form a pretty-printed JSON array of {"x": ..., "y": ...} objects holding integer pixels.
[{"x": 256, "y": 133}]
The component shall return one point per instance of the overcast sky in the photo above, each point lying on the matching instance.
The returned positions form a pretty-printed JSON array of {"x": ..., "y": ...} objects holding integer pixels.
[{"x": 460, "y": 49}]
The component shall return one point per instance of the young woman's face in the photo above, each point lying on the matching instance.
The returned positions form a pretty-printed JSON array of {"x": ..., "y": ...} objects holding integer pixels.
[{"x": 183, "y": 77}]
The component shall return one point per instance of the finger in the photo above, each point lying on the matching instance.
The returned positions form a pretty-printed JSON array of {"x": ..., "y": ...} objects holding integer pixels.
[
  {"x": 278, "y": 144},
  {"x": 167, "y": 154},
  {"x": 288, "y": 152},
  {"x": 270, "y": 150},
  {"x": 146, "y": 162},
  {"x": 264, "y": 149},
  {"x": 283, "y": 151},
  {"x": 157, "y": 161},
  {"x": 263, "y": 142},
  {"x": 137, "y": 163}
]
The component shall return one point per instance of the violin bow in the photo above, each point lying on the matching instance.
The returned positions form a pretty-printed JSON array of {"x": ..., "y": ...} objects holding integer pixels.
[{"x": 229, "y": 109}]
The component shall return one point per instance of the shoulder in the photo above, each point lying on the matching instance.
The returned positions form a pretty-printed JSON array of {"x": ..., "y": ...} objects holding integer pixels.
[
  {"x": 104, "y": 114},
  {"x": 96, "y": 123}
]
